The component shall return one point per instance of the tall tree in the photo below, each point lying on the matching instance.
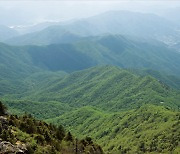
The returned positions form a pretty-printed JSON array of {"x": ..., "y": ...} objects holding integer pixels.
[{"x": 2, "y": 109}]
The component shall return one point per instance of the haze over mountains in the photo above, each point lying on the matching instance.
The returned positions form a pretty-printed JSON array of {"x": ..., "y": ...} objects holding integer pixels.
[
  {"x": 6, "y": 33},
  {"x": 114, "y": 76},
  {"x": 113, "y": 22}
]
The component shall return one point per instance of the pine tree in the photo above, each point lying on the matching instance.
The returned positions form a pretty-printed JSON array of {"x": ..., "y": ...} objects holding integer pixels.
[
  {"x": 2, "y": 109},
  {"x": 60, "y": 133},
  {"x": 69, "y": 137},
  {"x": 47, "y": 137}
]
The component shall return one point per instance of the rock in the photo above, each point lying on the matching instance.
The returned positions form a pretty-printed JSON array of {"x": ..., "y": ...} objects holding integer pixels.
[
  {"x": 21, "y": 146},
  {"x": 8, "y": 148}
]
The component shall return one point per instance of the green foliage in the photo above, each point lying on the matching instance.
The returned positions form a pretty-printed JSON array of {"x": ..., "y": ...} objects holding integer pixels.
[
  {"x": 50, "y": 109},
  {"x": 40, "y": 137},
  {"x": 109, "y": 88},
  {"x": 112, "y": 105},
  {"x": 147, "y": 129},
  {"x": 170, "y": 80},
  {"x": 60, "y": 132},
  {"x": 87, "y": 52},
  {"x": 126, "y": 53},
  {"x": 122, "y": 111},
  {"x": 69, "y": 137},
  {"x": 62, "y": 57}
]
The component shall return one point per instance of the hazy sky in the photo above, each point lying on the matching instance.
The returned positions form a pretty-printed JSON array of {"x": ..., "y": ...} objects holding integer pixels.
[{"x": 28, "y": 12}]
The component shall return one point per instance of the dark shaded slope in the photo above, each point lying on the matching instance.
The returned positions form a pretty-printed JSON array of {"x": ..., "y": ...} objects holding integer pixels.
[
  {"x": 107, "y": 49},
  {"x": 15, "y": 64},
  {"x": 170, "y": 80},
  {"x": 59, "y": 57},
  {"x": 128, "y": 53}
]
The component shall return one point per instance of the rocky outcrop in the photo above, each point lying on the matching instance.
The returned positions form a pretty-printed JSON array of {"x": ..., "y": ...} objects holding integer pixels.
[{"x": 8, "y": 148}]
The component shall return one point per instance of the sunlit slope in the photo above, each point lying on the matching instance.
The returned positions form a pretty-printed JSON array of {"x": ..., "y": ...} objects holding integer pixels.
[
  {"x": 147, "y": 129},
  {"x": 109, "y": 88},
  {"x": 171, "y": 80}
]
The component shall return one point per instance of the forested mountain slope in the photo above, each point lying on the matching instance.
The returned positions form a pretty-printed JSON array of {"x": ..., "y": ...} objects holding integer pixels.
[
  {"x": 114, "y": 77},
  {"x": 171, "y": 80},
  {"x": 122, "y": 111},
  {"x": 91, "y": 51},
  {"x": 127, "y": 53},
  {"x": 15, "y": 65},
  {"x": 108, "y": 49},
  {"x": 25, "y": 134},
  {"x": 110, "y": 88},
  {"x": 148, "y": 129}
]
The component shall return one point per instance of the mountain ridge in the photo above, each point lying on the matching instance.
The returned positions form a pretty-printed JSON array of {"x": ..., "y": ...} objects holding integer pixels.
[{"x": 114, "y": 22}]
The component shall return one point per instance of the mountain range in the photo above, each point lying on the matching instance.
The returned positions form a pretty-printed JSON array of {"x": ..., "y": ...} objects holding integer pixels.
[
  {"x": 113, "y": 22},
  {"x": 114, "y": 77},
  {"x": 108, "y": 49},
  {"x": 108, "y": 104}
]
